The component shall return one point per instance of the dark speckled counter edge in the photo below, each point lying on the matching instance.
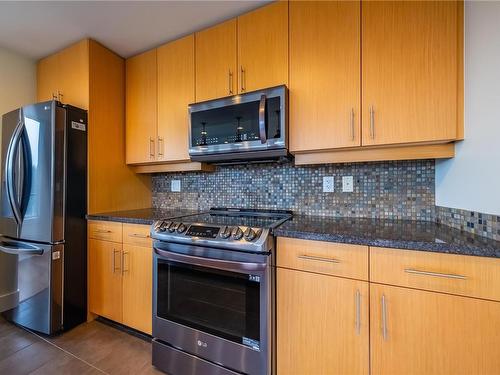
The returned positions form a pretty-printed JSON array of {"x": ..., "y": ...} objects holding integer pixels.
[
  {"x": 436, "y": 247},
  {"x": 119, "y": 219}
]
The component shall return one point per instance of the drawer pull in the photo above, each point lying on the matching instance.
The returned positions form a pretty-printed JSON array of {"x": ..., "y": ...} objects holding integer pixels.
[
  {"x": 384, "y": 318},
  {"x": 102, "y": 231},
  {"x": 321, "y": 259},
  {"x": 137, "y": 235},
  {"x": 358, "y": 312},
  {"x": 435, "y": 274}
]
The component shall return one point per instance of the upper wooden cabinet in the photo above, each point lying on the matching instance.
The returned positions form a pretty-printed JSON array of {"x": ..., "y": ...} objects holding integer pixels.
[
  {"x": 65, "y": 76},
  {"x": 410, "y": 71},
  {"x": 90, "y": 76},
  {"x": 216, "y": 66},
  {"x": 141, "y": 103},
  {"x": 324, "y": 75},
  {"x": 263, "y": 47},
  {"x": 175, "y": 93}
]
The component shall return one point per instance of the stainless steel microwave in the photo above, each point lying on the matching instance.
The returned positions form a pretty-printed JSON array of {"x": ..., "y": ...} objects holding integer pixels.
[{"x": 250, "y": 126}]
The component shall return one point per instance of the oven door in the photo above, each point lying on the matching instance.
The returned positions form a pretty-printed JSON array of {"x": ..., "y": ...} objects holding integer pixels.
[
  {"x": 214, "y": 308},
  {"x": 255, "y": 121}
]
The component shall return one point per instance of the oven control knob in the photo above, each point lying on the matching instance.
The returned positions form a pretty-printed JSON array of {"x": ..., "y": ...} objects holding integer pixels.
[
  {"x": 237, "y": 233},
  {"x": 226, "y": 232},
  {"x": 249, "y": 234},
  {"x": 163, "y": 226},
  {"x": 173, "y": 227},
  {"x": 181, "y": 228}
]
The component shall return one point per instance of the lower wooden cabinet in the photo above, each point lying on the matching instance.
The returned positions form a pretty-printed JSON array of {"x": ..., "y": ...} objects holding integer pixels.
[
  {"x": 427, "y": 333},
  {"x": 322, "y": 324},
  {"x": 120, "y": 275},
  {"x": 105, "y": 279},
  {"x": 137, "y": 287}
]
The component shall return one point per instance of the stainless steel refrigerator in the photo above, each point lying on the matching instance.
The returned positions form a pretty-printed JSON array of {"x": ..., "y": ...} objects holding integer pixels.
[{"x": 43, "y": 197}]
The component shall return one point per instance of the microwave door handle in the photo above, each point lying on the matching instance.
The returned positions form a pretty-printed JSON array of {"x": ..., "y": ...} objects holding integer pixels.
[
  {"x": 262, "y": 120},
  {"x": 210, "y": 262}
]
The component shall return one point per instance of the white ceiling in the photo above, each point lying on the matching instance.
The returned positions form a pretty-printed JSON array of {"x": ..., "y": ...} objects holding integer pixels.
[{"x": 39, "y": 28}]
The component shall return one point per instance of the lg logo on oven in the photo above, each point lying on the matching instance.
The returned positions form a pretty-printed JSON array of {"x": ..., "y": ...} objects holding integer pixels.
[{"x": 202, "y": 344}]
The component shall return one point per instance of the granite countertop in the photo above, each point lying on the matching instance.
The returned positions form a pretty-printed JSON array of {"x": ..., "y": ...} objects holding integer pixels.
[
  {"x": 143, "y": 216},
  {"x": 401, "y": 234}
]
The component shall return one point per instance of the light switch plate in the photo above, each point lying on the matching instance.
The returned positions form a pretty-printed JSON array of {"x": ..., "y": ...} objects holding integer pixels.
[
  {"x": 347, "y": 184},
  {"x": 328, "y": 184},
  {"x": 175, "y": 186}
]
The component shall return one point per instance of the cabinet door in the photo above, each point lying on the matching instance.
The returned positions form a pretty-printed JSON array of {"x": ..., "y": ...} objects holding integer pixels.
[
  {"x": 137, "y": 287},
  {"x": 141, "y": 101},
  {"x": 409, "y": 69},
  {"x": 263, "y": 47},
  {"x": 47, "y": 78},
  {"x": 74, "y": 74},
  {"x": 216, "y": 61},
  {"x": 324, "y": 75},
  {"x": 175, "y": 93},
  {"x": 105, "y": 279},
  {"x": 432, "y": 333},
  {"x": 322, "y": 324}
]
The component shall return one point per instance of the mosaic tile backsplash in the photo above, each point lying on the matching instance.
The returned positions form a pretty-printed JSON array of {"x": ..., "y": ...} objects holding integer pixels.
[
  {"x": 389, "y": 190},
  {"x": 485, "y": 225}
]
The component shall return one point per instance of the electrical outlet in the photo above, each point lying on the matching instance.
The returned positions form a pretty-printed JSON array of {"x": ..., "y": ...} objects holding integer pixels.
[
  {"x": 347, "y": 184},
  {"x": 175, "y": 186},
  {"x": 328, "y": 184}
]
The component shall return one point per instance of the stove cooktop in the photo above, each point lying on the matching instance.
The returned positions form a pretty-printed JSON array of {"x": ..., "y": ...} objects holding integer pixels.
[{"x": 232, "y": 228}]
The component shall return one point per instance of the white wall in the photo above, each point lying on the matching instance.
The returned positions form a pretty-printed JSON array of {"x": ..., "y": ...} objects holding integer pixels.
[
  {"x": 17, "y": 81},
  {"x": 471, "y": 180}
]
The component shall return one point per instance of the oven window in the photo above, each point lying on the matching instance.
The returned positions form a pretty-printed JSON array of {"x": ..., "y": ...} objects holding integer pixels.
[
  {"x": 235, "y": 123},
  {"x": 221, "y": 303}
]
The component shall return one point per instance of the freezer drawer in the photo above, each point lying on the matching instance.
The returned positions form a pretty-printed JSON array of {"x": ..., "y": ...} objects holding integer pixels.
[{"x": 35, "y": 276}]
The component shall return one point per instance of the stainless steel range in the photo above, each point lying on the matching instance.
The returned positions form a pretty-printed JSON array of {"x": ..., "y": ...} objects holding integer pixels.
[{"x": 214, "y": 292}]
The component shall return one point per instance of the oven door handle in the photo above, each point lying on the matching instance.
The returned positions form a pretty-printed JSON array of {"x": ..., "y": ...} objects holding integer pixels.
[{"x": 226, "y": 265}]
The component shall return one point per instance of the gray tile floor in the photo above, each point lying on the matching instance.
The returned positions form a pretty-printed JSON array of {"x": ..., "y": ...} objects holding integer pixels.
[{"x": 91, "y": 348}]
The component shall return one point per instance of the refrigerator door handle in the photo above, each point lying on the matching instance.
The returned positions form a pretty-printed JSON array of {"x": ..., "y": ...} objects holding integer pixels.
[
  {"x": 19, "y": 248},
  {"x": 9, "y": 167}
]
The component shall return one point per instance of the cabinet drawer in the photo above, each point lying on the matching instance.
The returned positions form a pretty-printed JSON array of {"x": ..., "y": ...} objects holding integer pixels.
[
  {"x": 456, "y": 274},
  {"x": 136, "y": 234},
  {"x": 323, "y": 257},
  {"x": 105, "y": 230}
]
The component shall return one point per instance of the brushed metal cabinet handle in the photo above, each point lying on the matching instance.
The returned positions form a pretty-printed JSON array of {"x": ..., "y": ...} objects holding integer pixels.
[
  {"x": 372, "y": 122},
  {"x": 320, "y": 259},
  {"x": 230, "y": 80},
  {"x": 160, "y": 146},
  {"x": 123, "y": 262},
  {"x": 151, "y": 148},
  {"x": 242, "y": 78},
  {"x": 137, "y": 235},
  {"x": 114, "y": 260},
  {"x": 352, "y": 124},
  {"x": 384, "y": 318},
  {"x": 435, "y": 274},
  {"x": 102, "y": 231},
  {"x": 358, "y": 312}
]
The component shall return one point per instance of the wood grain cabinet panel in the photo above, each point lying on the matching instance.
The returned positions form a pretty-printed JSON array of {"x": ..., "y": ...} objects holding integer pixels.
[
  {"x": 137, "y": 287},
  {"x": 324, "y": 75},
  {"x": 456, "y": 274},
  {"x": 175, "y": 93},
  {"x": 65, "y": 76},
  {"x": 137, "y": 234},
  {"x": 141, "y": 100},
  {"x": 410, "y": 71},
  {"x": 323, "y": 257},
  {"x": 263, "y": 47},
  {"x": 416, "y": 332},
  {"x": 105, "y": 230},
  {"x": 105, "y": 279},
  {"x": 322, "y": 324},
  {"x": 216, "y": 68}
]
